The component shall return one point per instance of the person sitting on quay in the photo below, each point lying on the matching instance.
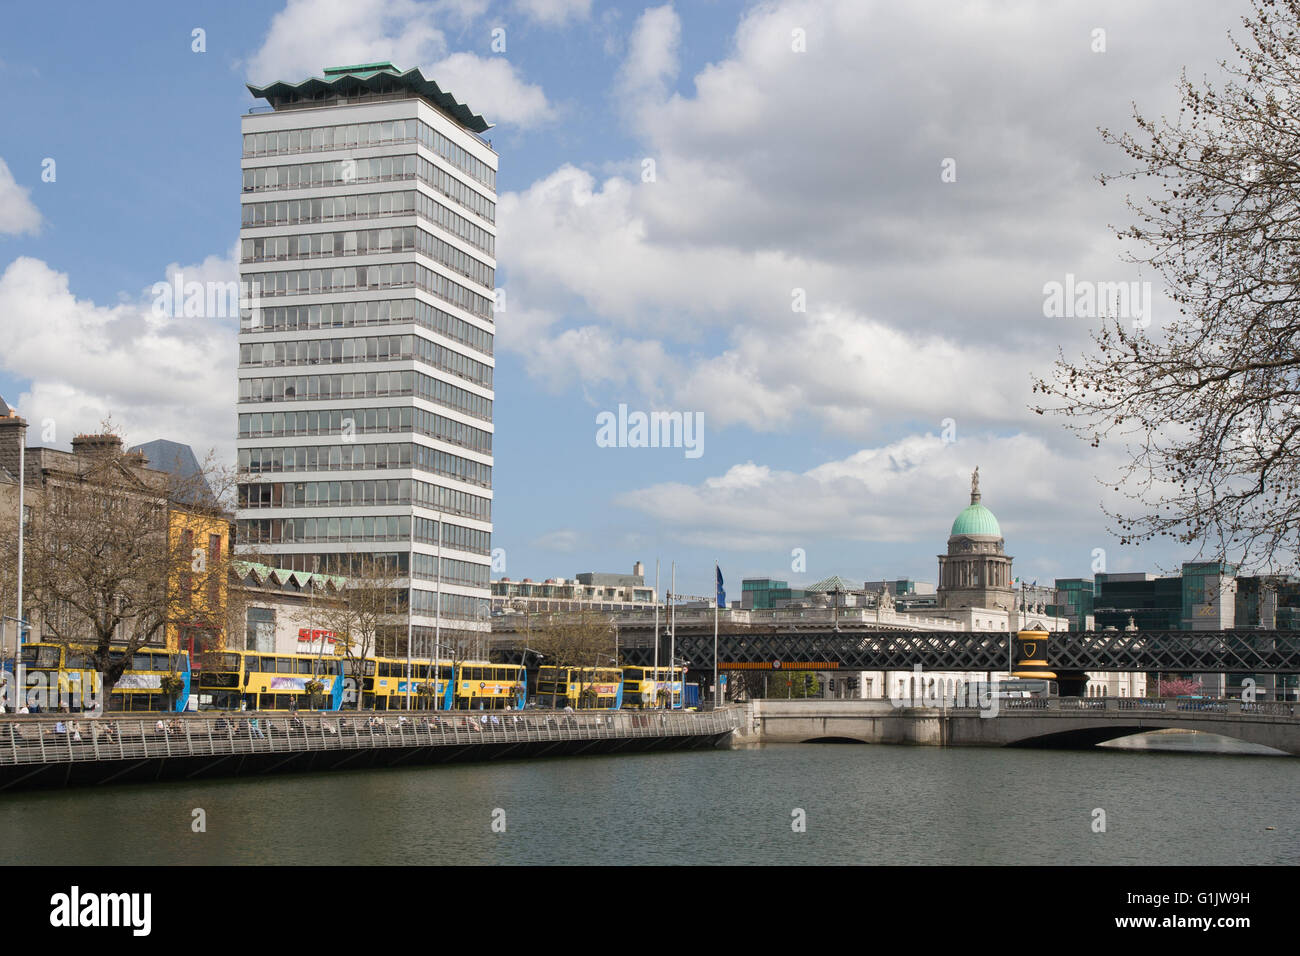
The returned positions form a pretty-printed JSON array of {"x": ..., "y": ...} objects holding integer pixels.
[{"x": 254, "y": 730}]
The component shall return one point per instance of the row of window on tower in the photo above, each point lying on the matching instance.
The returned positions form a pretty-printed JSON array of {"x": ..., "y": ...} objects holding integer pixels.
[
  {"x": 398, "y": 275},
  {"x": 380, "y": 348},
  {"x": 406, "y": 202},
  {"x": 357, "y": 456},
  {"x": 363, "y": 135},
  {"x": 363, "y": 242},
  {"x": 313, "y": 388},
  {"x": 364, "y": 421},
  {"x": 340, "y": 315},
  {"x": 375, "y": 169}
]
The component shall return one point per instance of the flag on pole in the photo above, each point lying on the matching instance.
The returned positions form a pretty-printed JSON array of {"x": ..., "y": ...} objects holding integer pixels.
[{"x": 722, "y": 595}]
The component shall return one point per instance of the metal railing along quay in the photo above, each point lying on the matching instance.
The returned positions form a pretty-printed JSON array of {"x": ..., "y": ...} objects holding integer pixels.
[
  {"x": 69, "y": 738},
  {"x": 1207, "y": 705}
]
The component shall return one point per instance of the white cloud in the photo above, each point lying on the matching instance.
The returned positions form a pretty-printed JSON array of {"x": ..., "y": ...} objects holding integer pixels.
[
  {"x": 906, "y": 491},
  {"x": 821, "y": 171},
  {"x": 554, "y": 12},
  {"x": 18, "y": 214},
  {"x": 309, "y": 35},
  {"x": 159, "y": 377},
  {"x": 652, "y": 51},
  {"x": 564, "y": 541},
  {"x": 493, "y": 88}
]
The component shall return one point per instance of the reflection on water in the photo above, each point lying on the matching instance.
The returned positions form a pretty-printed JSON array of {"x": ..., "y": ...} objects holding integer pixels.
[
  {"x": 863, "y": 805},
  {"x": 1190, "y": 741}
]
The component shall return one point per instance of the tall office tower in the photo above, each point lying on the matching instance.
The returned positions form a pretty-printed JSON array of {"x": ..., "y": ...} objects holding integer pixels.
[{"x": 367, "y": 252}]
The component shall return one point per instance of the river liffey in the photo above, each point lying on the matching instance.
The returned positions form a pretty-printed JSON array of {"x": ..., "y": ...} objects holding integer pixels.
[{"x": 858, "y": 804}]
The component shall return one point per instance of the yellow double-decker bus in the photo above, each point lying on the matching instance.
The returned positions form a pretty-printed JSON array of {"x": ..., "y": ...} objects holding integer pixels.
[
  {"x": 484, "y": 686},
  {"x": 586, "y": 688},
  {"x": 645, "y": 687},
  {"x": 59, "y": 675},
  {"x": 234, "y": 680},
  {"x": 385, "y": 685}
]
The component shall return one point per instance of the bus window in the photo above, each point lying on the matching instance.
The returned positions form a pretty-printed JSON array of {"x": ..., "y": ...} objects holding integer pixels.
[
  {"x": 44, "y": 655},
  {"x": 284, "y": 665},
  {"x": 305, "y": 665}
]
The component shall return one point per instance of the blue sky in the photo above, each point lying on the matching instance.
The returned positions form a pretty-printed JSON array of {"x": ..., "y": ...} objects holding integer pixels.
[{"x": 777, "y": 169}]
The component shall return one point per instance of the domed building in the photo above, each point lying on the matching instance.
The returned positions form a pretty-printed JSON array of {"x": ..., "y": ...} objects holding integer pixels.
[{"x": 976, "y": 571}]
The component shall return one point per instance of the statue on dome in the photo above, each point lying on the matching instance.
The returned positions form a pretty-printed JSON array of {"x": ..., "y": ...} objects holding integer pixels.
[{"x": 975, "y": 485}]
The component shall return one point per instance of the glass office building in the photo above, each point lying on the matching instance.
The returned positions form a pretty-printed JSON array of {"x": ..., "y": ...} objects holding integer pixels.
[{"x": 367, "y": 255}]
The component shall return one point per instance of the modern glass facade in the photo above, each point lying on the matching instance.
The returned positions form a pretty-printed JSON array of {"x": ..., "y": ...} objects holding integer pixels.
[
  {"x": 1075, "y": 601},
  {"x": 1154, "y": 604},
  {"x": 367, "y": 251},
  {"x": 763, "y": 593}
]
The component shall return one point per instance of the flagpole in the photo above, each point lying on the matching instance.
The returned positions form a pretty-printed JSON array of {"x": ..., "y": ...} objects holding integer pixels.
[
  {"x": 672, "y": 641},
  {"x": 656, "y": 700},
  {"x": 717, "y": 598}
]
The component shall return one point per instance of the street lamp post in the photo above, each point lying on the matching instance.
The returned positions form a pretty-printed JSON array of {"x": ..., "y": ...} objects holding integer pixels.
[
  {"x": 437, "y": 668},
  {"x": 18, "y": 638}
]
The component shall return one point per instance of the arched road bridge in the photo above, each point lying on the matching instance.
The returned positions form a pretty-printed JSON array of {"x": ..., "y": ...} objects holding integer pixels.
[{"x": 1065, "y": 723}]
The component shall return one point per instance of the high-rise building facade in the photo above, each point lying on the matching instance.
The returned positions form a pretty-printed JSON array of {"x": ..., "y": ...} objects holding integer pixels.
[{"x": 367, "y": 256}]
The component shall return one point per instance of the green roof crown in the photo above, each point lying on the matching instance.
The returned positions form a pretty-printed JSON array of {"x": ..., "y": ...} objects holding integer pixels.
[
  {"x": 976, "y": 519},
  {"x": 374, "y": 77}
]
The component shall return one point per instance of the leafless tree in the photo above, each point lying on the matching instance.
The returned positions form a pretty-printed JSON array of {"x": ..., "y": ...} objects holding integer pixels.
[
  {"x": 582, "y": 639},
  {"x": 369, "y": 606},
  {"x": 1206, "y": 409}
]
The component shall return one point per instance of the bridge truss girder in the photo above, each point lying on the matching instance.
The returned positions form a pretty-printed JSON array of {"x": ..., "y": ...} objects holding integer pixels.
[{"x": 1230, "y": 652}]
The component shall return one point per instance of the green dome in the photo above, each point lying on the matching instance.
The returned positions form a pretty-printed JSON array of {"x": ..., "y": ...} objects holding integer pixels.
[{"x": 976, "y": 519}]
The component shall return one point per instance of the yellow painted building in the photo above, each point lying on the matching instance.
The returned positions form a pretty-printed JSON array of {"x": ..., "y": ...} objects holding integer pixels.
[{"x": 200, "y": 586}]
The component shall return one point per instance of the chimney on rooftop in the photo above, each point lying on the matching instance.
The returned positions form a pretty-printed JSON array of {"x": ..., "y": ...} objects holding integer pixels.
[
  {"x": 97, "y": 446},
  {"x": 13, "y": 435}
]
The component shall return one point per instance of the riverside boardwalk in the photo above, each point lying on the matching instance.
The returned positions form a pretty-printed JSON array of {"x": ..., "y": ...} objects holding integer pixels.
[{"x": 71, "y": 750}]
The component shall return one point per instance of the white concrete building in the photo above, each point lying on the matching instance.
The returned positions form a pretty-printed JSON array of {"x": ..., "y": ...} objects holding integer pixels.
[{"x": 368, "y": 246}]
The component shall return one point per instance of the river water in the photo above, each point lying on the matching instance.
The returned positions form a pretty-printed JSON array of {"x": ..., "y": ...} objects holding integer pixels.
[{"x": 861, "y": 804}]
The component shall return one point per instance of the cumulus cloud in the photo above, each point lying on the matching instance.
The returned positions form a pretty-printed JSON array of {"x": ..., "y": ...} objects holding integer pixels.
[
  {"x": 159, "y": 376},
  {"x": 816, "y": 175},
  {"x": 309, "y": 35},
  {"x": 493, "y": 88},
  {"x": 652, "y": 55},
  {"x": 905, "y": 491},
  {"x": 18, "y": 214}
]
